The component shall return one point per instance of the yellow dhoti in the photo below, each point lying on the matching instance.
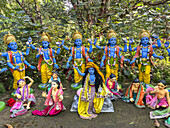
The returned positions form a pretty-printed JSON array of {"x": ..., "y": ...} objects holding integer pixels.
[
  {"x": 17, "y": 76},
  {"x": 77, "y": 76},
  {"x": 110, "y": 71},
  {"x": 46, "y": 72},
  {"x": 144, "y": 76}
]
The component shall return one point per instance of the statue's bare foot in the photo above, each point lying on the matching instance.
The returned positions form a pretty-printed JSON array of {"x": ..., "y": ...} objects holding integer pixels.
[
  {"x": 157, "y": 106},
  {"x": 156, "y": 124},
  {"x": 28, "y": 107}
]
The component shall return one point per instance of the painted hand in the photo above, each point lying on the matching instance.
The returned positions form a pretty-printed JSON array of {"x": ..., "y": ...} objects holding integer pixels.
[
  {"x": 127, "y": 60},
  {"x": 101, "y": 64},
  {"x": 125, "y": 40},
  {"x": 29, "y": 39},
  {"x": 75, "y": 67},
  {"x": 155, "y": 36},
  {"x": 95, "y": 41},
  {"x": 89, "y": 40},
  {"x": 16, "y": 67},
  {"x": 160, "y": 57},
  {"x": 33, "y": 67},
  {"x": 130, "y": 40},
  {"x": 67, "y": 65},
  {"x": 166, "y": 44},
  {"x": 56, "y": 66},
  {"x": 58, "y": 44},
  {"x": 89, "y": 60},
  {"x": 44, "y": 94},
  {"x": 133, "y": 61},
  {"x": 3, "y": 70}
]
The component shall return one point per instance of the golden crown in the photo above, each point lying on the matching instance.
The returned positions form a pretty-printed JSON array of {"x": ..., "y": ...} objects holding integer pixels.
[
  {"x": 45, "y": 37},
  {"x": 8, "y": 38},
  {"x": 144, "y": 33},
  {"x": 77, "y": 35},
  {"x": 111, "y": 33}
]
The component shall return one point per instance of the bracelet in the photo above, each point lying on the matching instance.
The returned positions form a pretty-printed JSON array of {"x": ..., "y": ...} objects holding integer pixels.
[
  {"x": 68, "y": 61},
  {"x": 30, "y": 65},
  {"x": 55, "y": 63},
  {"x": 13, "y": 67},
  {"x": 0, "y": 70},
  {"x": 8, "y": 60}
]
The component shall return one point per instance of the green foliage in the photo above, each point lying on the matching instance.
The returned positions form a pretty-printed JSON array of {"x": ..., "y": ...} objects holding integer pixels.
[
  {"x": 2, "y": 88},
  {"x": 93, "y": 18}
]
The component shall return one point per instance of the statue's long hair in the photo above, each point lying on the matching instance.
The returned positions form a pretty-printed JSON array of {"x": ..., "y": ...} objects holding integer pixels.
[{"x": 98, "y": 80}]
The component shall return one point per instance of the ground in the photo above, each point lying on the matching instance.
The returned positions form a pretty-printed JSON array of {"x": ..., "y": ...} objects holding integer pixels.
[{"x": 126, "y": 115}]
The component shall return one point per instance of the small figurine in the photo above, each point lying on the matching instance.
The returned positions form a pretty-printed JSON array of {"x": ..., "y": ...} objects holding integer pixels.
[
  {"x": 77, "y": 54},
  {"x": 113, "y": 87},
  {"x": 161, "y": 97},
  {"x": 135, "y": 93},
  {"x": 46, "y": 57},
  {"x": 53, "y": 101},
  {"x": 54, "y": 77},
  {"x": 112, "y": 54},
  {"x": 15, "y": 59},
  {"x": 94, "y": 92},
  {"x": 144, "y": 53},
  {"x": 24, "y": 98}
]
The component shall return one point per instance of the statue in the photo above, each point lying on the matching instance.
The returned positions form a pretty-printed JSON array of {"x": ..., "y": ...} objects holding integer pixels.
[
  {"x": 24, "y": 98},
  {"x": 114, "y": 87},
  {"x": 15, "y": 59},
  {"x": 53, "y": 101},
  {"x": 135, "y": 93},
  {"x": 94, "y": 92},
  {"x": 46, "y": 57},
  {"x": 3, "y": 70},
  {"x": 144, "y": 53},
  {"x": 160, "y": 97},
  {"x": 77, "y": 54},
  {"x": 112, "y": 54}
]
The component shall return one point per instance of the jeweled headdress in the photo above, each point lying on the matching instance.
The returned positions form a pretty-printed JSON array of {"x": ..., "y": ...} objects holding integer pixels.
[
  {"x": 144, "y": 33},
  {"x": 77, "y": 35},
  {"x": 45, "y": 37},
  {"x": 111, "y": 33},
  {"x": 8, "y": 38}
]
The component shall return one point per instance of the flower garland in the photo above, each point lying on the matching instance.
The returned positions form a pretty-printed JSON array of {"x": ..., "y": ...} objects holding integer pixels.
[
  {"x": 113, "y": 57},
  {"x": 141, "y": 59},
  {"x": 75, "y": 51},
  {"x": 47, "y": 61},
  {"x": 15, "y": 61}
]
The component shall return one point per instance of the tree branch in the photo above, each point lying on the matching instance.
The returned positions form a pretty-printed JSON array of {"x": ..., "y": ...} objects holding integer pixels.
[
  {"x": 24, "y": 8},
  {"x": 38, "y": 12},
  {"x": 150, "y": 3}
]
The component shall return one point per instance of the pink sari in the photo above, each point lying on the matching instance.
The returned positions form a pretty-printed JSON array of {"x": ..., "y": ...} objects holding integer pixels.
[{"x": 52, "y": 108}]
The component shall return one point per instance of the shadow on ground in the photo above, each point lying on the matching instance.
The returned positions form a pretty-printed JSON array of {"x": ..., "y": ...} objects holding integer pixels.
[{"x": 126, "y": 115}]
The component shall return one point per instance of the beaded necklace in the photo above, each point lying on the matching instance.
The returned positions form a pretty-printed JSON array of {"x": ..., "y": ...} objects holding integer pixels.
[
  {"x": 114, "y": 57},
  {"x": 75, "y": 51},
  {"x": 47, "y": 61},
  {"x": 148, "y": 51}
]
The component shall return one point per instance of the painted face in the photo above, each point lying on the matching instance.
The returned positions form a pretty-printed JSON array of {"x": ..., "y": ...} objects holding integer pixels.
[
  {"x": 91, "y": 71},
  {"x": 22, "y": 83},
  {"x": 13, "y": 46},
  {"x": 113, "y": 79},
  {"x": 112, "y": 41},
  {"x": 54, "y": 84},
  {"x": 55, "y": 75},
  {"x": 145, "y": 40},
  {"x": 136, "y": 85},
  {"x": 45, "y": 44},
  {"x": 78, "y": 42},
  {"x": 161, "y": 86}
]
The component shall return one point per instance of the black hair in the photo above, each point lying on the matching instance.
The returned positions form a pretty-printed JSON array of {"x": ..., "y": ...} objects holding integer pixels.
[
  {"x": 98, "y": 80},
  {"x": 57, "y": 82},
  {"x": 112, "y": 76},
  {"x": 8, "y": 49},
  {"x": 55, "y": 72},
  {"x": 163, "y": 82},
  {"x": 136, "y": 80}
]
